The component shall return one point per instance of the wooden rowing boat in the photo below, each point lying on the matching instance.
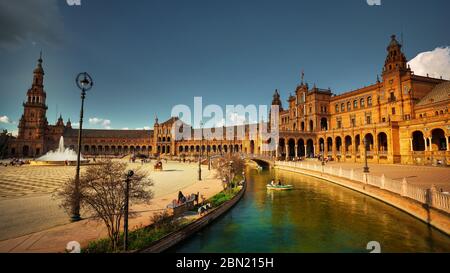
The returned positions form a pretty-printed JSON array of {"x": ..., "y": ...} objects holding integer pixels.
[{"x": 280, "y": 188}]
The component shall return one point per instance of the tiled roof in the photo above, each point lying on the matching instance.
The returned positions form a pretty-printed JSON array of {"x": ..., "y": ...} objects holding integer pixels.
[
  {"x": 110, "y": 133},
  {"x": 171, "y": 121},
  {"x": 441, "y": 92}
]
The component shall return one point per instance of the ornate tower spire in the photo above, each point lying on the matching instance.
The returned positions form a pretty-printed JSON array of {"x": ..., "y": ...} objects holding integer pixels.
[
  {"x": 395, "y": 59},
  {"x": 60, "y": 121},
  {"x": 276, "y": 100},
  {"x": 34, "y": 119},
  {"x": 36, "y": 93},
  {"x": 38, "y": 78}
]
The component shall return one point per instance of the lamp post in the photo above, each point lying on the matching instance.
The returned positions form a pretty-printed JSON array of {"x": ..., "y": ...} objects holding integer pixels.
[
  {"x": 201, "y": 154},
  {"x": 85, "y": 83},
  {"x": 126, "y": 209},
  {"x": 366, "y": 147},
  {"x": 322, "y": 145},
  {"x": 231, "y": 170},
  {"x": 208, "y": 155}
]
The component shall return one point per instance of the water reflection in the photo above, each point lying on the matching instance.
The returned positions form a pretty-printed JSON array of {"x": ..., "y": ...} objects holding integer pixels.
[{"x": 315, "y": 217}]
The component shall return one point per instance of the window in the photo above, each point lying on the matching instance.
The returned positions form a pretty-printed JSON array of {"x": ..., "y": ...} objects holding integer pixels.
[
  {"x": 363, "y": 103},
  {"x": 337, "y": 108},
  {"x": 339, "y": 124},
  {"x": 369, "y": 101},
  {"x": 353, "y": 121},
  {"x": 369, "y": 120},
  {"x": 383, "y": 119},
  {"x": 406, "y": 90},
  {"x": 342, "y": 107},
  {"x": 355, "y": 104},
  {"x": 392, "y": 97},
  {"x": 407, "y": 117},
  {"x": 393, "y": 110},
  {"x": 349, "y": 106}
]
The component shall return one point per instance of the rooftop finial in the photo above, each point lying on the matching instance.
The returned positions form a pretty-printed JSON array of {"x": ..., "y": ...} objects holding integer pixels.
[{"x": 303, "y": 75}]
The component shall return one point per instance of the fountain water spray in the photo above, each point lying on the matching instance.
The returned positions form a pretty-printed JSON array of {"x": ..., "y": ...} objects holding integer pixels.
[{"x": 59, "y": 156}]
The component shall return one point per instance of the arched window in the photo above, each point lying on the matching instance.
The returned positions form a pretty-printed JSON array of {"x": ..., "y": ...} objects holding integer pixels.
[
  {"x": 369, "y": 101},
  {"x": 355, "y": 104},
  {"x": 349, "y": 106},
  {"x": 337, "y": 108},
  {"x": 363, "y": 103},
  {"x": 342, "y": 107}
]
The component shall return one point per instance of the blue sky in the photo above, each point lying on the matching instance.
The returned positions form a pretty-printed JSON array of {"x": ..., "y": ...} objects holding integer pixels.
[{"x": 147, "y": 56}]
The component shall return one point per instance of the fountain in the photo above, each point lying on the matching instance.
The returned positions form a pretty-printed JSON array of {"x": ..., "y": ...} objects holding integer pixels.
[{"x": 60, "y": 157}]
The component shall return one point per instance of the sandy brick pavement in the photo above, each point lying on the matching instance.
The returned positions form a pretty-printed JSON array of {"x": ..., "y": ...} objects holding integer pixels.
[
  {"x": 422, "y": 176},
  {"x": 34, "y": 212}
]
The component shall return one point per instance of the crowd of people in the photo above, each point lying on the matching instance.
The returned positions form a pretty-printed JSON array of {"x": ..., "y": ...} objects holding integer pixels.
[{"x": 15, "y": 162}]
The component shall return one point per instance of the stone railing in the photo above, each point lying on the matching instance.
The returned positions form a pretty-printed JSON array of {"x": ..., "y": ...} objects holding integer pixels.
[{"x": 430, "y": 197}]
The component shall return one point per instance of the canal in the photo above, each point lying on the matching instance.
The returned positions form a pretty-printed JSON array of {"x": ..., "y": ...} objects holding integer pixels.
[{"x": 317, "y": 216}]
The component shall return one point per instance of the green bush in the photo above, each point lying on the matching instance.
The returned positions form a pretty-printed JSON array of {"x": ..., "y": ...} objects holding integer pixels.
[
  {"x": 164, "y": 224},
  {"x": 223, "y": 197},
  {"x": 142, "y": 237}
]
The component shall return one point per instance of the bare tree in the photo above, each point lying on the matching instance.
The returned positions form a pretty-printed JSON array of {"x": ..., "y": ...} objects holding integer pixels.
[
  {"x": 227, "y": 168},
  {"x": 102, "y": 194}
]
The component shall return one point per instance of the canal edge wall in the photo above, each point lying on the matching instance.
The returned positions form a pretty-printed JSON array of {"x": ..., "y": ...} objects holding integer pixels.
[
  {"x": 433, "y": 217},
  {"x": 179, "y": 236}
]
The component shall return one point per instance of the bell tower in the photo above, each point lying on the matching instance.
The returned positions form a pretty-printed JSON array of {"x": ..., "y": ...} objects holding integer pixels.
[
  {"x": 391, "y": 97},
  {"x": 33, "y": 122},
  {"x": 395, "y": 60}
]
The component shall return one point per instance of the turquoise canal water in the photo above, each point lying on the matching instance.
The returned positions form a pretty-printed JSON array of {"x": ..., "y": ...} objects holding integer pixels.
[{"x": 317, "y": 216}]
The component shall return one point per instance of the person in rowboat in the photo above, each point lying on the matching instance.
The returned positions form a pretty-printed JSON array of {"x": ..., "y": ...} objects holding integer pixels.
[
  {"x": 272, "y": 183},
  {"x": 279, "y": 183}
]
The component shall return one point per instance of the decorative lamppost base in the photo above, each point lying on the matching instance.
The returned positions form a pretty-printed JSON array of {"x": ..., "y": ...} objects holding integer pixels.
[{"x": 75, "y": 218}]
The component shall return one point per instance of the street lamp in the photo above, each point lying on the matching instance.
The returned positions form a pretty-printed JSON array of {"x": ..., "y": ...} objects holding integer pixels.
[
  {"x": 126, "y": 209},
  {"x": 231, "y": 170},
  {"x": 85, "y": 83},
  {"x": 201, "y": 154},
  {"x": 322, "y": 145},
  {"x": 366, "y": 147}
]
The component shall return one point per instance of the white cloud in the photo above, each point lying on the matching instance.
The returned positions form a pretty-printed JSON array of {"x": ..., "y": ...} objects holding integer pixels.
[
  {"x": 105, "y": 123},
  {"x": 435, "y": 63},
  {"x": 233, "y": 119},
  {"x": 126, "y": 128},
  {"x": 144, "y": 128},
  {"x": 5, "y": 119}
]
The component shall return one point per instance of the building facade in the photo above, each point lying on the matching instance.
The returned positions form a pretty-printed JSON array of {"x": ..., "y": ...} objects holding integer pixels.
[{"x": 402, "y": 118}]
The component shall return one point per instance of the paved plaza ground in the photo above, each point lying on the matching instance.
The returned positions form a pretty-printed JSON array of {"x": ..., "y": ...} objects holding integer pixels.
[
  {"x": 31, "y": 220},
  {"x": 27, "y": 205},
  {"x": 422, "y": 176}
]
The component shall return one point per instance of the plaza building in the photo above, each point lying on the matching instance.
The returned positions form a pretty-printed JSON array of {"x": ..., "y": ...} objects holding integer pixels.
[{"x": 402, "y": 118}]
